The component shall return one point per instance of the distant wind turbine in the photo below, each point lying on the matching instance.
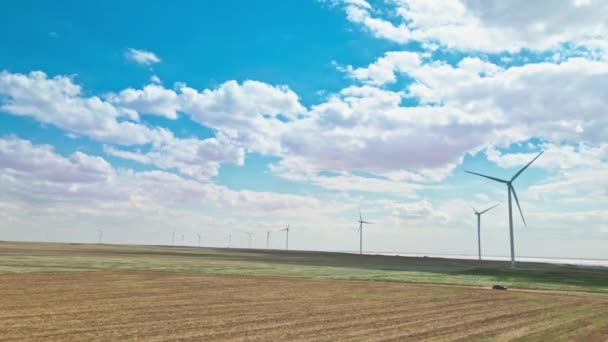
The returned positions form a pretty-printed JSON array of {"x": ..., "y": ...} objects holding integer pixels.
[
  {"x": 361, "y": 222},
  {"x": 182, "y": 239},
  {"x": 286, "y": 237},
  {"x": 229, "y": 240},
  {"x": 199, "y": 239},
  {"x": 100, "y": 231},
  {"x": 479, "y": 226},
  {"x": 268, "y": 239},
  {"x": 249, "y": 238},
  {"x": 173, "y": 238},
  {"x": 511, "y": 189}
]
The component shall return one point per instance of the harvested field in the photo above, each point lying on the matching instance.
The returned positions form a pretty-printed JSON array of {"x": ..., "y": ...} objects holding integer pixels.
[{"x": 153, "y": 306}]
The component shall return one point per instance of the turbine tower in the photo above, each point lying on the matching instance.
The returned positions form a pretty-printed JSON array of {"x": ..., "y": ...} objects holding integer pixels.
[
  {"x": 199, "y": 239},
  {"x": 249, "y": 239},
  {"x": 361, "y": 222},
  {"x": 511, "y": 189},
  {"x": 479, "y": 226},
  {"x": 182, "y": 240},
  {"x": 173, "y": 238},
  {"x": 286, "y": 237},
  {"x": 100, "y": 231},
  {"x": 267, "y": 239}
]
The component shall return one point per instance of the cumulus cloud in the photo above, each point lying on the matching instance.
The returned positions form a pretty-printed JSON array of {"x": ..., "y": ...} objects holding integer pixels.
[
  {"x": 383, "y": 70},
  {"x": 115, "y": 121},
  {"x": 487, "y": 26},
  {"x": 21, "y": 157},
  {"x": 462, "y": 108},
  {"x": 366, "y": 129},
  {"x": 59, "y": 101},
  {"x": 555, "y": 157},
  {"x": 142, "y": 56},
  {"x": 39, "y": 173},
  {"x": 200, "y": 159},
  {"x": 252, "y": 114},
  {"x": 152, "y": 99}
]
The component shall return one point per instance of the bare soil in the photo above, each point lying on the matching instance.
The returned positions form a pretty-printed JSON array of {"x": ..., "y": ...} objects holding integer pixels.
[{"x": 108, "y": 306}]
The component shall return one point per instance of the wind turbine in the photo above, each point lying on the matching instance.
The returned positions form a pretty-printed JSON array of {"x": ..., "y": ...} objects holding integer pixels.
[
  {"x": 479, "y": 226},
  {"x": 173, "y": 238},
  {"x": 286, "y": 237},
  {"x": 267, "y": 239},
  {"x": 100, "y": 231},
  {"x": 229, "y": 240},
  {"x": 361, "y": 222},
  {"x": 249, "y": 238},
  {"x": 511, "y": 189},
  {"x": 199, "y": 239},
  {"x": 182, "y": 240}
]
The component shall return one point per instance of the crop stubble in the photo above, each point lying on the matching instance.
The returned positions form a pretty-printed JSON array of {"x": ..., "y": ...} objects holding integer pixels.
[{"x": 159, "y": 306}]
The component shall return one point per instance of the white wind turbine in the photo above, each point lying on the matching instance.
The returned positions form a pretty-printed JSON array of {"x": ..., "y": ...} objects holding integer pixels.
[
  {"x": 199, "y": 239},
  {"x": 361, "y": 222},
  {"x": 286, "y": 237},
  {"x": 249, "y": 238},
  {"x": 100, "y": 237},
  {"x": 479, "y": 226},
  {"x": 511, "y": 189},
  {"x": 173, "y": 238},
  {"x": 268, "y": 239}
]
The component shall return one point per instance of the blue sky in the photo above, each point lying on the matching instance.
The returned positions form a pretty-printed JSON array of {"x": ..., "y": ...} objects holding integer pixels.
[{"x": 240, "y": 116}]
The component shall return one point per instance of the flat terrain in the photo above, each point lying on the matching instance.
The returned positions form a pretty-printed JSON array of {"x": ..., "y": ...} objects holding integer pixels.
[
  {"x": 103, "y": 292},
  {"x": 107, "y": 306},
  {"x": 51, "y": 257}
]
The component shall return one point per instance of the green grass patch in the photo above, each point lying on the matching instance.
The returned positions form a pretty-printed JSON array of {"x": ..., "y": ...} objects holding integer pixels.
[{"x": 15, "y": 257}]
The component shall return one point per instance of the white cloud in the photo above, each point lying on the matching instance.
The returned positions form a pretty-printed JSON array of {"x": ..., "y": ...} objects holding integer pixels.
[
  {"x": 19, "y": 157},
  {"x": 488, "y": 26},
  {"x": 555, "y": 157},
  {"x": 155, "y": 79},
  {"x": 59, "y": 101},
  {"x": 383, "y": 70},
  {"x": 378, "y": 27},
  {"x": 578, "y": 173},
  {"x": 152, "y": 99},
  {"x": 247, "y": 113},
  {"x": 517, "y": 102},
  {"x": 200, "y": 159},
  {"x": 142, "y": 56},
  {"x": 359, "y": 3},
  {"x": 366, "y": 129},
  {"x": 37, "y": 172}
]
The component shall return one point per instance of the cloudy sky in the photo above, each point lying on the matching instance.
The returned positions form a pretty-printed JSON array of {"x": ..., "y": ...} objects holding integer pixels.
[{"x": 141, "y": 118}]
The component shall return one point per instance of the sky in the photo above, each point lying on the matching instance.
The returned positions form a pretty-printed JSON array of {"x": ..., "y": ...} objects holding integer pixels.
[{"x": 226, "y": 118}]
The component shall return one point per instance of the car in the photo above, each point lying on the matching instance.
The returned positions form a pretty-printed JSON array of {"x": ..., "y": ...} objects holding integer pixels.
[{"x": 498, "y": 287}]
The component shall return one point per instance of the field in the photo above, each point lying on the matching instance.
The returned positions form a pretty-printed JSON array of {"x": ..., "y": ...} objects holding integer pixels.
[{"x": 104, "y": 292}]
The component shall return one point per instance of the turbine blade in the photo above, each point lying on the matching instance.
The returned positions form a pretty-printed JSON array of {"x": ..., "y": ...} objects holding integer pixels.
[
  {"x": 525, "y": 167},
  {"x": 366, "y": 222},
  {"x": 360, "y": 217},
  {"x": 489, "y": 209},
  {"x": 472, "y": 207},
  {"x": 517, "y": 201},
  {"x": 492, "y": 178}
]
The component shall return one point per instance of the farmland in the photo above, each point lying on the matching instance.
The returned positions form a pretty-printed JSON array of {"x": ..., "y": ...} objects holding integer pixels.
[{"x": 105, "y": 292}]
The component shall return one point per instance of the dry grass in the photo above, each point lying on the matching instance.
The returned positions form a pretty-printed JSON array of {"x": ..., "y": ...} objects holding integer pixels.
[{"x": 152, "y": 306}]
